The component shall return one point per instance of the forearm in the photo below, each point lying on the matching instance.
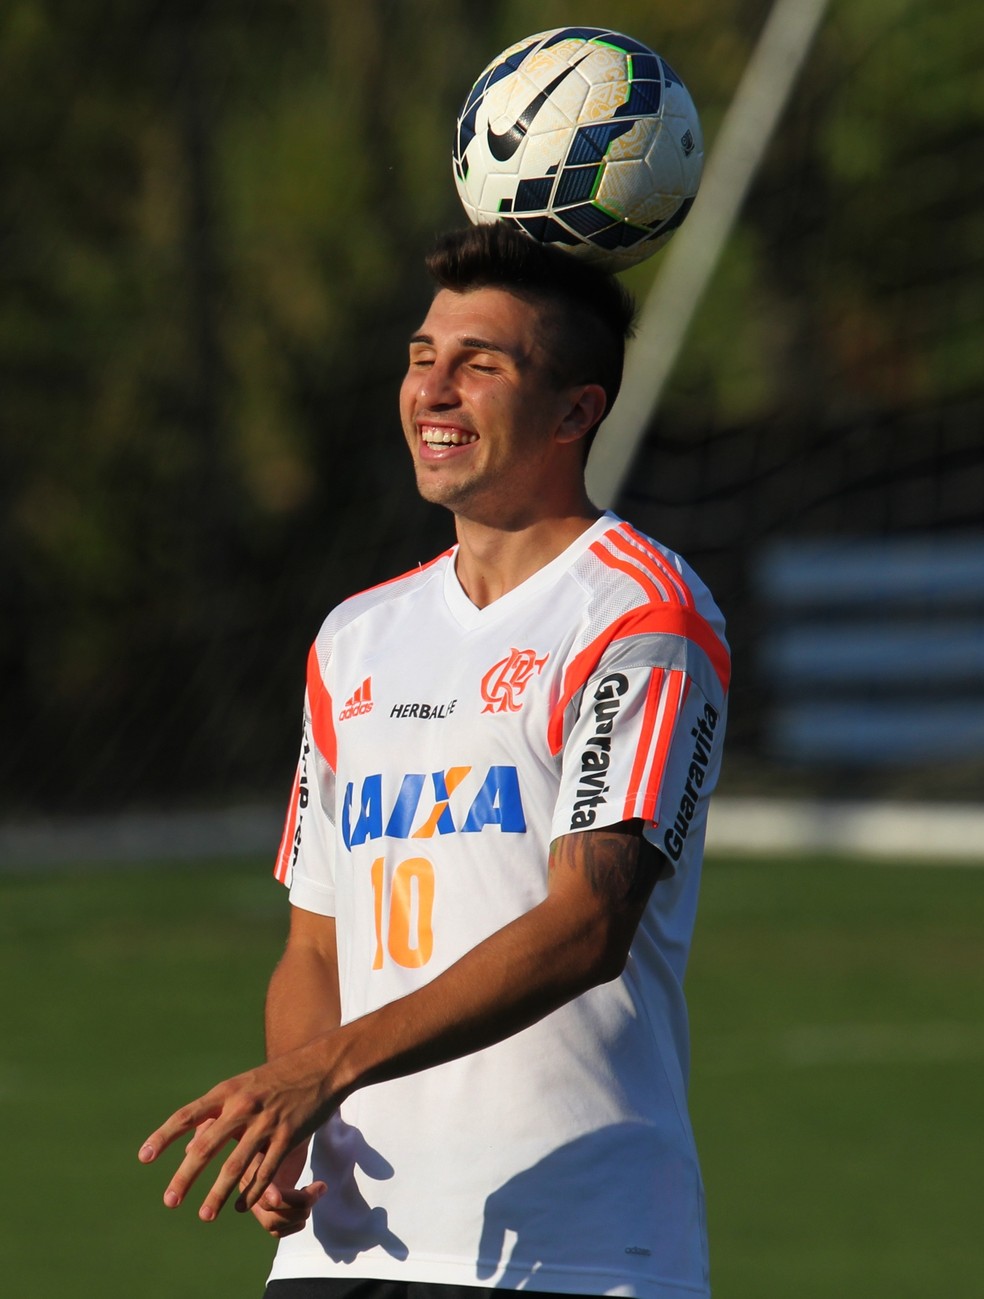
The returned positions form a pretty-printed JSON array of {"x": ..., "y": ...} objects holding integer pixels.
[
  {"x": 518, "y": 975},
  {"x": 302, "y": 1001},
  {"x": 577, "y": 937}
]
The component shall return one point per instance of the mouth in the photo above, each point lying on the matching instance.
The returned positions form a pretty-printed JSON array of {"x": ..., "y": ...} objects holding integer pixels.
[{"x": 439, "y": 439}]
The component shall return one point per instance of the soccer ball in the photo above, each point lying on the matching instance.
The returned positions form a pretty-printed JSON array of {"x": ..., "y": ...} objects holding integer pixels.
[{"x": 584, "y": 139}]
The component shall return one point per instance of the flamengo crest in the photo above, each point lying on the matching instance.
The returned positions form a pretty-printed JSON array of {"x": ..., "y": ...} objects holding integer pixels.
[{"x": 505, "y": 681}]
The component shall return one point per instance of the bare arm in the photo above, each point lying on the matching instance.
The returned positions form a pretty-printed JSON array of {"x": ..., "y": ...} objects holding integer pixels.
[
  {"x": 302, "y": 1003},
  {"x": 578, "y": 936},
  {"x": 302, "y": 999}
]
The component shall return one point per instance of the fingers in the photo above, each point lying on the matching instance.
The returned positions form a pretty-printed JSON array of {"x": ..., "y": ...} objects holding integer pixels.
[
  {"x": 202, "y": 1127},
  {"x": 260, "y": 1180},
  {"x": 232, "y": 1111},
  {"x": 200, "y": 1115},
  {"x": 213, "y": 1127},
  {"x": 282, "y": 1213},
  {"x": 252, "y": 1161},
  {"x": 246, "y": 1181},
  {"x": 267, "y": 1113}
]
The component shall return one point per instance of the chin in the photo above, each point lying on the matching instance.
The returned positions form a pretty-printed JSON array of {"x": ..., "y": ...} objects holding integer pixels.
[{"x": 439, "y": 491}]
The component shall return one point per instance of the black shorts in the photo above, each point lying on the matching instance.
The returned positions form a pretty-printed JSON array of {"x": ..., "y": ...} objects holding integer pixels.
[{"x": 329, "y": 1287}]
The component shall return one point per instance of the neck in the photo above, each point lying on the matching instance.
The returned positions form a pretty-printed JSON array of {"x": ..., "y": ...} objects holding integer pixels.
[{"x": 492, "y": 561}]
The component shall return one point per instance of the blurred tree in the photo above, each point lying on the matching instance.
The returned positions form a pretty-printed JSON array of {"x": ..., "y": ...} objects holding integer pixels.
[
  {"x": 854, "y": 282},
  {"x": 211, "y": 222}
]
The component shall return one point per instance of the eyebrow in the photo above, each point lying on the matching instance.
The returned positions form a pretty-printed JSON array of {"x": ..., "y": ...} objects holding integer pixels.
[{"x": 473, "y": 344}]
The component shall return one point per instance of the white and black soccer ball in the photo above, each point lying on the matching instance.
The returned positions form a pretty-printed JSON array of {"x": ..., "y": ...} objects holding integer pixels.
[{"x": 583, "y": 138}]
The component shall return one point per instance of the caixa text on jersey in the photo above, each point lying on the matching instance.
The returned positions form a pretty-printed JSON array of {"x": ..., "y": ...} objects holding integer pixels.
[{"x": 454, "y": 801}]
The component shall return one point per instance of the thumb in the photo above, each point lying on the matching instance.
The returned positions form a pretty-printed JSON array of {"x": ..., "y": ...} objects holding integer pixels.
[{"x": 272, "y": 1197}]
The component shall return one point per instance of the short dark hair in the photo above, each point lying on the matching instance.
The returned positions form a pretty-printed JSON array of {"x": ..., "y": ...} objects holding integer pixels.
[{"x": 587, "y": 312}]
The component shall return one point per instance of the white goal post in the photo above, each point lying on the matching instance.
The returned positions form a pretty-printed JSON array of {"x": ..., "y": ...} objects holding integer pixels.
[{"x": 693, "y": 253}]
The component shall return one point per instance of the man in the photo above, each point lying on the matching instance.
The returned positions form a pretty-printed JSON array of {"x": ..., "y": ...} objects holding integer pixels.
[{"x": 493, "y": 851}]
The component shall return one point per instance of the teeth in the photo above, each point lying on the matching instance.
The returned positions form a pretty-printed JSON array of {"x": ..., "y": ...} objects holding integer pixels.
[{"x": 447, "y": 437}]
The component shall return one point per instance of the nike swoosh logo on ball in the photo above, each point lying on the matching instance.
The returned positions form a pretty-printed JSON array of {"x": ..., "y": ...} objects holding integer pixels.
[{"x": 502, "y": 145}]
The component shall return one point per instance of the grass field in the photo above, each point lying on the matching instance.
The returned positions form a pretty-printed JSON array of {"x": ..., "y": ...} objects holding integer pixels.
[{"x": 838, "y": 1017}]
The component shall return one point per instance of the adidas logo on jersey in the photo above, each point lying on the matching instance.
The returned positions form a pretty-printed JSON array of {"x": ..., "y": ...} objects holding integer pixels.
[{"x": 361, "y": 702}]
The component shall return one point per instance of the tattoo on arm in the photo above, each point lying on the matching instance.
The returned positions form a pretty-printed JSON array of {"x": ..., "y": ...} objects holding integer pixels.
[{"x": 619, "y": 865}]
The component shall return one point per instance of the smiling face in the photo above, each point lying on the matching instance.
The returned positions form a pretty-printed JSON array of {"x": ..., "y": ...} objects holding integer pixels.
[{"x": 492, "y": 433}]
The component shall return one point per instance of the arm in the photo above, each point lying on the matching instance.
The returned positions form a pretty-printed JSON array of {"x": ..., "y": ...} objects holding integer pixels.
[
  {"x": 598, "y": 885},
  {"x": 302, "y": 1003},
  {"x": 302, "y": 1000}
]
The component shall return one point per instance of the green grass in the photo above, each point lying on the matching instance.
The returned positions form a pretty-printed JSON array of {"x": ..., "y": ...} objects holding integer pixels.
[
  {"x": 838, "y": 1043},
  {"x": 127, "y": 994}
]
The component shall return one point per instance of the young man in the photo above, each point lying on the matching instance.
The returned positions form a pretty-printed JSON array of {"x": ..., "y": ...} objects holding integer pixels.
[{"x": 493, "y": 851}]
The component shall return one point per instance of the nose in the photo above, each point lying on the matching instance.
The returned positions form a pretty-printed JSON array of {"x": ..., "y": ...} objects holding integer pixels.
[{"x": 436, "y": 387}]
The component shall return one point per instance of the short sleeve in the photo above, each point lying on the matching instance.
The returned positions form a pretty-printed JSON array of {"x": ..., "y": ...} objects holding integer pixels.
[
  {"x": 646, "y": 745},
  {"x": 306, "y": 859}
]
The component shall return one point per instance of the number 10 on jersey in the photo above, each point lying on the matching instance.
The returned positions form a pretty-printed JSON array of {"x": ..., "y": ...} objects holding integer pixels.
[{"x": 403, "y": 910}]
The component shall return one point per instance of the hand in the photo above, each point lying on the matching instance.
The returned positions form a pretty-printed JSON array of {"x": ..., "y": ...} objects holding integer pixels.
[
  {"x": 285, "y": 1207},
  {"x": 282, "y": 1212},
  {"x": 267, "y": 1112}
]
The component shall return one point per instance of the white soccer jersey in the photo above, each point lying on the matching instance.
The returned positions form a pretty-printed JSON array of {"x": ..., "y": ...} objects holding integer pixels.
[{"x": 445, "y": 746}]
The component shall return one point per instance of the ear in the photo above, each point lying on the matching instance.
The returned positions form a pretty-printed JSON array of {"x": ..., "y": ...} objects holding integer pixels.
[{"x": 587, "y": 405}]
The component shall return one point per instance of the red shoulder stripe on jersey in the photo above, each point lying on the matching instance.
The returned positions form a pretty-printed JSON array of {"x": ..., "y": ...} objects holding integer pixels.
[
  {"x": 282, "y": 867},
  {"x": 646, "y": 562},
  {"x": 411, "y": 572},
  {"x": 654, "y": 591},
  {"x": 319, "y": 700},
  {"x": 640, "y": 548},
  {"x": 653, "y": 696},
  {"x": 647, "y": 776},
  {"x": 648, "y": 619}
]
